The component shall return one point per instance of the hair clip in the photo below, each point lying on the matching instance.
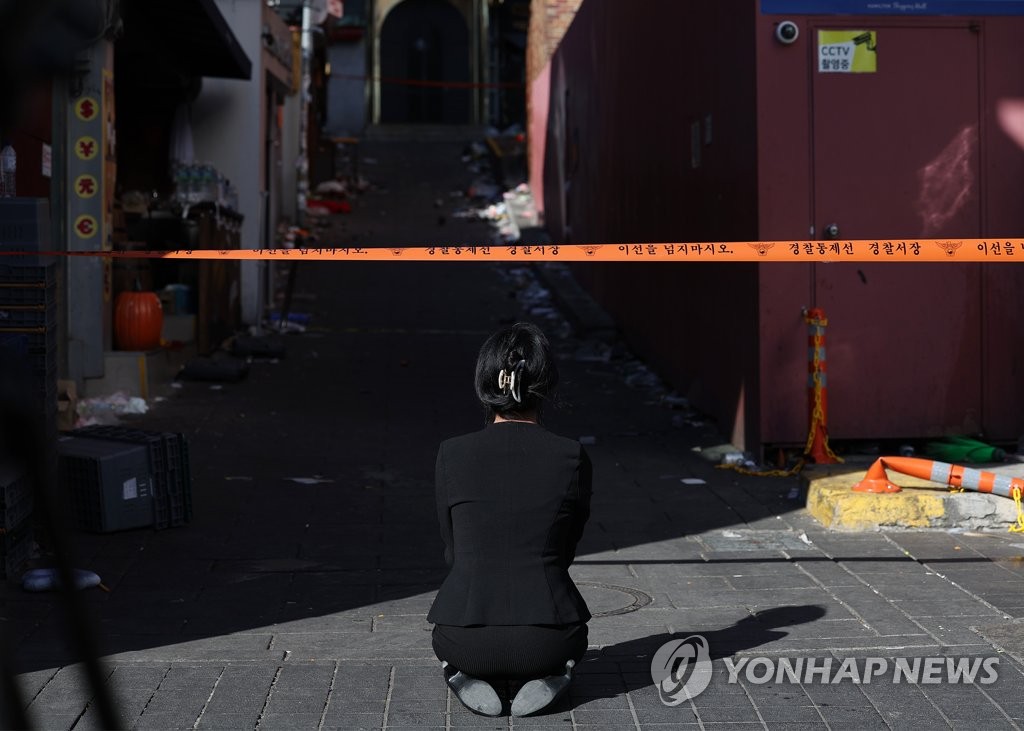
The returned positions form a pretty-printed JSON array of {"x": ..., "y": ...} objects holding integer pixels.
[{"x": 507, "y": 383}]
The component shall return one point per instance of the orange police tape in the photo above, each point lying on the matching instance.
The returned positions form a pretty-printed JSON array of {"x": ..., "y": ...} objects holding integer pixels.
[{"x": 920, "y": 250}]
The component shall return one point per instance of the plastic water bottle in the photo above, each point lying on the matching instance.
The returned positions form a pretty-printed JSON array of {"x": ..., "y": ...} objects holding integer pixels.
[
  {"x": 192, "y": 190},
  {"x": 208, "y": 184},
  {"x": 8, "y": 168},
  {"x": 180, "y": 183}
]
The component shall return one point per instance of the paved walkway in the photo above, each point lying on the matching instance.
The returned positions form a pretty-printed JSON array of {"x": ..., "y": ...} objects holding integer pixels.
[{"x": 303, "y": 606}]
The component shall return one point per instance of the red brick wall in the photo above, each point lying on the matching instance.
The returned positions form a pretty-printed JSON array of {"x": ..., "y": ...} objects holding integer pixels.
[{"x": 549, "y": 22}]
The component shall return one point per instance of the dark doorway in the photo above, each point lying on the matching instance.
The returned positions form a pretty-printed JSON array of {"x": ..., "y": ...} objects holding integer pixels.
[{"x": 424, "y": 41}]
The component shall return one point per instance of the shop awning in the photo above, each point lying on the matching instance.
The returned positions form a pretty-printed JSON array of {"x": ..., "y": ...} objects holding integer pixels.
[{"x": 190, "y": 34}]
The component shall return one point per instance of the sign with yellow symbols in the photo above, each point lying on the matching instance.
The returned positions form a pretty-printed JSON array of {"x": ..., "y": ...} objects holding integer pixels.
[
  {"x": 86, "y": 108},
  {"x": 847, "y": 51}
]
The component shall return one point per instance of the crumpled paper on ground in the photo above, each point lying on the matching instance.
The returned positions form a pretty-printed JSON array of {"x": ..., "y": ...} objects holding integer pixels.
[{"x": 107, "y": 409}]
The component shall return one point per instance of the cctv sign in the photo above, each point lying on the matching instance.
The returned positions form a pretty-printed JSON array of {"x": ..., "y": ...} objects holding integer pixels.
[{"x": 847, "y": 51}]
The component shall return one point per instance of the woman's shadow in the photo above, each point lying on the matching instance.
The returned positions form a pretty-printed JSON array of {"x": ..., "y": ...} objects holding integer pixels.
[{"x": 631, "y": 660}]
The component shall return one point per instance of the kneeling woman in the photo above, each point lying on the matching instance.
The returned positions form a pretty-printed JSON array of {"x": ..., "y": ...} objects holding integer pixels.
[{"x": 512, "y": 500}]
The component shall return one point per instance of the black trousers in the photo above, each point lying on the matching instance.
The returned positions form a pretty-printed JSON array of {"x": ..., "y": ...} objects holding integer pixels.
[{"x": 512, "y": 652}]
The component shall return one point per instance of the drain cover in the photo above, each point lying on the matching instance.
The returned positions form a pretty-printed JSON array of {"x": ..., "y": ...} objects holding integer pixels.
[{"x": 606, "y": 600}]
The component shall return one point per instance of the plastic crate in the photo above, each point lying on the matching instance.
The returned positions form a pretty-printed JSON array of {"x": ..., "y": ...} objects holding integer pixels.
[
  {"x": 32, "y": 274},
  {"x": 109, "y": 483},
  {"x": 38, "y": 373},
  {"x": 24, "y": 226},
  {"x": 165, "y": 464},
  {"x": 28, "y": 318},
  {"x": 27, "y": 293},
  {"x": 13, "y": 344},
  {"x": 15, "y": 497},
  {"x": 44, "y": 366},
  {"x": 154, "y": 443},
  {"x": 29, "y": 343},
  {"x": 44, "y": 389},
  {"x": 16, "y": 550},
  {"x": 152, "y": 440},
  {"x": 38, "y": 360},
  {"x": 186, "y": 473}
]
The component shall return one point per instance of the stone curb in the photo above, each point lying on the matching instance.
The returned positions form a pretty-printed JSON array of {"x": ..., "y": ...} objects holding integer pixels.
[{"x": 920, "y": 504}]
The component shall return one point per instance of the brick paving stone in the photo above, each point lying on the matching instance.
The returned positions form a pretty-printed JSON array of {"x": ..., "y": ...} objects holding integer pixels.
[
  {"x": 722, "y": 714},
  {"x": 354, "y": 722},
  {"x": 416, "y": 718},
  {"x": 165, "y": 720},
  {"x": 664, "y": 714},
  {"x": 279, "y": 704},
  {"x": 469, "y": 720},
  {"x": 988, "y": 724},
  {"x": 616, "y": 717},
  {"x": 618, "y": 700},
  {"x": 228, "y": 721},
  {"x": 788, "y": 713},
  {"x": 288, "y": 721}
]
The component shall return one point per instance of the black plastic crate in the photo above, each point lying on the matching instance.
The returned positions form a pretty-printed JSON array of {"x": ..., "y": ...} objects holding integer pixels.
[
  {"x": 44, "y": 366},
  {"x": 44, "y": 388},
  {"x": 13, "y": 344},
  {"x": 176, "y": 498},
  {"x": 109, "y": 483},
  {"x": 164, "y": 455},
  {"x": 25, "y": 227},
  {"x": 186, "y": 473},
  {"x": 28, "y": 318},
  {"x": 15, "y": 497},
  {"x": 32, "y": 274},
  {"x": 29, "y": 343},
  {"x": 154, "y": 441},
  {"x": 16, "y": 550},
  {"x": 29, "y": 274},
  {"x": 27, "y": 293},
  {"x": 182, "y": 477},
  {"x": 38, "y": 373}
]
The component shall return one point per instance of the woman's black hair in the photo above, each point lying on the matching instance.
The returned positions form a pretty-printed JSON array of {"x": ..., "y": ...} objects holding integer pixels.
[{"x": 516, "y": 362}]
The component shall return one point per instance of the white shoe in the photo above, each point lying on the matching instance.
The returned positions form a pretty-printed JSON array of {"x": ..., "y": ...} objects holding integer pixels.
[
  {"x": 541, "y": 693},
  {"x": 475, "y": 694}
]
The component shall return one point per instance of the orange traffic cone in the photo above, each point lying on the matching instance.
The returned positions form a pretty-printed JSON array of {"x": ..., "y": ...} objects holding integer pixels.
[
  {"x": 941, "y": 472},
  {"x": 876, "y": 480}
]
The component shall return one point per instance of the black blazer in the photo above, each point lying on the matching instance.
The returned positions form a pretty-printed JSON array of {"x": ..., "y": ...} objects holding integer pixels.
[{"x": 512, "y": 500}]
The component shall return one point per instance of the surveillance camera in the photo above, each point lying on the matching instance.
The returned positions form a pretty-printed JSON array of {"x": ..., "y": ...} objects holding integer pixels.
[{"x": 787, "y": 32}]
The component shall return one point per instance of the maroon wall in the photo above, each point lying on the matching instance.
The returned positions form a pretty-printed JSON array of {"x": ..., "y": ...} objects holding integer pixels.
[
  {"x": 914, "y": 350},
  {"x": 638, "y": 76}
]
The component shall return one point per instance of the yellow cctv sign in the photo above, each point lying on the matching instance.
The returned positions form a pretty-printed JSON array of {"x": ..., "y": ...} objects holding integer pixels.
[{"x": 847, "y": 51}]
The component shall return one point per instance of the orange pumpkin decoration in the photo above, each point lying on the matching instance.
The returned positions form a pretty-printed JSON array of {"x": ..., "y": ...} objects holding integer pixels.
[{"x": 138, "y": 321}]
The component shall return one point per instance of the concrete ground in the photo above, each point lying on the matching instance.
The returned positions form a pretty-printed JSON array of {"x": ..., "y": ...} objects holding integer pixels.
[{"x": 302, "y": 604}]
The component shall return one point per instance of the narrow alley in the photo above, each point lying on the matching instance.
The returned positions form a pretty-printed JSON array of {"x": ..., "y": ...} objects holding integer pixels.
[{"x": 297, "y": 597}]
